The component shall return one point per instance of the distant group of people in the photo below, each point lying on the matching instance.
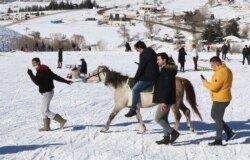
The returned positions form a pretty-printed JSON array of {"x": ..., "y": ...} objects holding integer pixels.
[
  {"x": 182, "y": 59},
  {"x": 153, "y": 69}
]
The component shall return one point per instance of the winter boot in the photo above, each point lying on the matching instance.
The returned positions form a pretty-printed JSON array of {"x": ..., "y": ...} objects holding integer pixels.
[
  {"x": 174, "y": 135},
  {"x": 46, "y": 125},
  {"x": 130, "y": 113},
  {"x": 216, "y": 143},
  {"x": 60, "y": 120},
  {"x": 165, "y": 140},
  {"x": 230, "y": 135}
]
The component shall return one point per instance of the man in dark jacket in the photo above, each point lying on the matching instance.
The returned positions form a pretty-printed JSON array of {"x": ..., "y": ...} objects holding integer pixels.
[
  {"x": 146, "y": 74},
  {"x": 245, "y": 54},
  {"x": 181, "y": 58},
  {"x": 60, "y": 58},
  {"x": 224, "y": 50},
  {"x": 44, "y": 80},
  {"x": 165, "y": 95},
  {"x": 83, "y": 69}
]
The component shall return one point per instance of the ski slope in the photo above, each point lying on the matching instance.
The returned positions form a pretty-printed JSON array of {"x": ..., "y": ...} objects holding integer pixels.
[{"x": 87, "y": 106}]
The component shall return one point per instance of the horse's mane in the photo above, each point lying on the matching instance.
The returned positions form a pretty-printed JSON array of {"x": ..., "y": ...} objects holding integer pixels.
[{"x": 113, "y": 78}]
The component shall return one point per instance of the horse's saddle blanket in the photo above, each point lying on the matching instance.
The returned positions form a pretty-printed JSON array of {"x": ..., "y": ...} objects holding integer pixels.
[{"x": 131, "y": 84}]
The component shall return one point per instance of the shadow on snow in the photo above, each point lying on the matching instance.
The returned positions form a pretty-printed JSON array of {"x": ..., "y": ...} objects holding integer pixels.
[{"x": 21, "y": 148}]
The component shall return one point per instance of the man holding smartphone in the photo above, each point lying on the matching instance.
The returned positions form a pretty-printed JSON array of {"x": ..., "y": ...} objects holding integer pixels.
[{"x": 220, "y": 91}]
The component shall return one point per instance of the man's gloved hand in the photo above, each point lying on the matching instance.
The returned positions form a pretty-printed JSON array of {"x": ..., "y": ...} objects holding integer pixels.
[
  {"x": 29, "y": 71},
  {"x": 70, "y": 82}
]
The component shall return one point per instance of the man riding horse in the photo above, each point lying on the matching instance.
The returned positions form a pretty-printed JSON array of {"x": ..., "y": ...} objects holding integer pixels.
[{"x": 146, "y": 74}]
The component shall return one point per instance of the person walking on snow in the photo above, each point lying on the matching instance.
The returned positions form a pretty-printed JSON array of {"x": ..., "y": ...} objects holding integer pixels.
[
  {"x": 60, "y": 58},
  {"x": 44, "y": 80},
  {"x": 195, "y": 57},
  {"x": 165, "y": 96},
  {"x": 220, "y": 91},
  {"x": 245, "y": 54},
  {"x": 182, "y": 59}
]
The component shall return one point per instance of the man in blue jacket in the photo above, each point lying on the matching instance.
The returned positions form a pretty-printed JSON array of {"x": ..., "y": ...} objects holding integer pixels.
[{"x": 146, "y": 74}]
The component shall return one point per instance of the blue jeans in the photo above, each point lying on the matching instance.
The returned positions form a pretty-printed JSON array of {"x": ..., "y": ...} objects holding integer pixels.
[{"x": 138, "y": 87}]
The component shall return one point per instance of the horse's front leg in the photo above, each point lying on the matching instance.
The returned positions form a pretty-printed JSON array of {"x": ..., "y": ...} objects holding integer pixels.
[
  {"x": 142, "y": 128},
  {"x": 115, "y": 111}
]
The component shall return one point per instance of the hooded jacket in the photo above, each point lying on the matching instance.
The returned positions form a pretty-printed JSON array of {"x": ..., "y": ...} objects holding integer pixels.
[
  {"x": 165, "y": 87},
  {"x": 220, "y": 85},
  {"x": 44, "y": 79}
]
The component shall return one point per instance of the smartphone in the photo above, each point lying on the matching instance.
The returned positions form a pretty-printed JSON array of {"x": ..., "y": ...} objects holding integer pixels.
[{"x": 202, "y": 77}]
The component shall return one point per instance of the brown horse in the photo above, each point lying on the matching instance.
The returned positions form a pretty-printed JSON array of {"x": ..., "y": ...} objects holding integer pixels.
[{"x": 123, "y": 96}]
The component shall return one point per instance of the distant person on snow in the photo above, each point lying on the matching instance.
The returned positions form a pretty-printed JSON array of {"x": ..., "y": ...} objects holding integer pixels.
[
  {"x": 224, "y": 50},
  {"x": 44, "y": 80},
  {"x": 245, "y": 54},
  {"x": 83, "y": 69},
  {"x": 127, "y": 47},
  {"x": 60, "y": 57},
  {"x": 181, "y": 58},
  {"x": 195, "y": 57},
  {"x": 220, "y": 91},
  {"x": 218, "y": 52}
]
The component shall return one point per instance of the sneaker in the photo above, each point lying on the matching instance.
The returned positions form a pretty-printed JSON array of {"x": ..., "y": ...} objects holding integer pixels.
[
  {"x": 216, "y": 143},
  {"x": 174, "y": 136},
  {"x": 165, "y": 140},
  {"x": 130, "y": 113},
  {"x": 230, "y": 136}
]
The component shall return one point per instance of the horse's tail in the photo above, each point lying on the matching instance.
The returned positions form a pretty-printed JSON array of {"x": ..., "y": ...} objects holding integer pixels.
[{"x": 190, "y": 95}]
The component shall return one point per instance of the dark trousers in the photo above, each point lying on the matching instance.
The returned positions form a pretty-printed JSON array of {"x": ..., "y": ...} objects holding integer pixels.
[
  {"x": 217, "y": 113},
  {"x": 224, "y": 55},
  {"x": 195, "y": 59},
  {"x": 182, "y": 66},
  {"x": 59, "y": 64},
  {"x": 245, "y": 57}
]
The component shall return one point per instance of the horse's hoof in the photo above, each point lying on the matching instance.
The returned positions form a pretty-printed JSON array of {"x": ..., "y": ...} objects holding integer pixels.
[
  {"x": 104, "y": 130},
  {"x": 139, "y": 132},
  {"x": 191, "y": 129}
]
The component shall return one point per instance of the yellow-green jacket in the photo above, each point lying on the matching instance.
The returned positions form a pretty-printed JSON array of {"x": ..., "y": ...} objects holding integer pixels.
[{"x": 220, "y": 85}]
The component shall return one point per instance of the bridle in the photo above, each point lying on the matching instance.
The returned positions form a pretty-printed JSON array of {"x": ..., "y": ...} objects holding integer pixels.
[{"x": 93, "y": 75}]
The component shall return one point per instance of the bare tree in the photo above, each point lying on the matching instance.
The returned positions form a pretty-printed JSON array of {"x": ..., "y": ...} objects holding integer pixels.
[
  {"x": 124, "y": 33},
  {"x": 149, "y": 24},
  {"x": 57, "y": 39},
  {"x": 78, "y": 40},
  {"x": 245, "y": 32},
  {"x": 102, "y": 45},
  {"x": 211, "y": 2}
]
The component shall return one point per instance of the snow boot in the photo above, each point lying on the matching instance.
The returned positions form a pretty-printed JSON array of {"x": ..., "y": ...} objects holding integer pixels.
[
  {"x": 165, "y": 140},
  {"x": 60, "y": 120},
  {"x": 46, "y": 125},
  {"x": 174, "y": 135},
  {"x": 230, "y": 135},
  {"x": 130, "y": 113},
  {"x": 216, "y": 143}
]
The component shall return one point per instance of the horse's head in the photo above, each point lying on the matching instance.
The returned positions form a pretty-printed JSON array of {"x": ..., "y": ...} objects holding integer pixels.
[{"x": 98, "y": 75}]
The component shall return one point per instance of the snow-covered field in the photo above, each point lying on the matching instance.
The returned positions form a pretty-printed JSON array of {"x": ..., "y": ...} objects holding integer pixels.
[{"x": 87, "y": 107}]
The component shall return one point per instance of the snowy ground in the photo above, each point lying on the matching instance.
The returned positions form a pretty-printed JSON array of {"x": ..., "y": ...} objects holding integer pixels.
[{"x": 87, "y": 107}]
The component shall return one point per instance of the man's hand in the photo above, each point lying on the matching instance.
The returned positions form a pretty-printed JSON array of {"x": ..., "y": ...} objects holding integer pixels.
[
  {"x": 29, "y": 71},
  {"x": 163, "y": 107}
]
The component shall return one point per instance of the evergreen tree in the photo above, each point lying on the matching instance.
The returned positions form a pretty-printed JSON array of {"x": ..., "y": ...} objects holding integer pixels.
[
  {"x": 209, "y": 33},
  {"x": 232, "y": 28}
]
